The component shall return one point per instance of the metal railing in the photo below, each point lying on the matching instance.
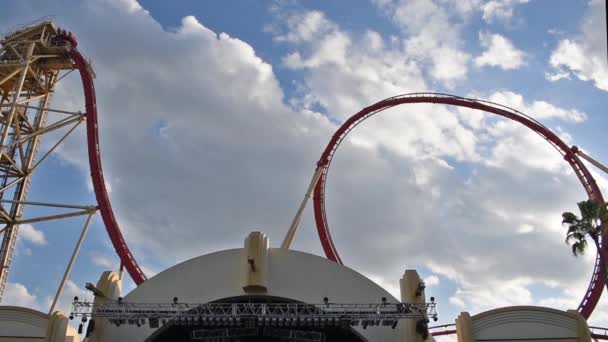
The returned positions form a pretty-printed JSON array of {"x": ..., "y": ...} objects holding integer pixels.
[
  {"x": 599, "y": 333},
  {"x": 14, "y": 30}
]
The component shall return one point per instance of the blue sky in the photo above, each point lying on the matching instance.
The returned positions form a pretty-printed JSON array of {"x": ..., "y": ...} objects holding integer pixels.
[{"x": 214, "y": 113}]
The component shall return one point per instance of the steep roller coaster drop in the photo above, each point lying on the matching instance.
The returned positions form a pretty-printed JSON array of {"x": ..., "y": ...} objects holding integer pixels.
[
  {"x": 30, "y": 66},
  {"x": 31, "y": 60}
]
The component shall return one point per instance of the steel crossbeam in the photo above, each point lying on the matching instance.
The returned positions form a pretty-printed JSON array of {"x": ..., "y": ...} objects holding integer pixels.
[
  {"x": 31, "y": 64},
  {"x": 221, "y": 335},
  {"x": 126, "y": 311}
]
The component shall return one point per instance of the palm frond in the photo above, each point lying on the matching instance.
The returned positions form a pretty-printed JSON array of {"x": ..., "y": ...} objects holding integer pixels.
[
  {"x": 578, "y": 248},
  {"x": 569, "y": 218},
  {"x": 593, "y": 215}
]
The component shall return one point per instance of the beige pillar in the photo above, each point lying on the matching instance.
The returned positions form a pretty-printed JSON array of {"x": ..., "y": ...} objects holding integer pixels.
[
  {"x": 582, "y": 329},
  {"x": 412, "y": 291},
  {"x": 59, "y": 329},
  {"x": 255, "y": 263},
  {"x": 110, "y": 284},
  {"x": 464, "y": 328}
]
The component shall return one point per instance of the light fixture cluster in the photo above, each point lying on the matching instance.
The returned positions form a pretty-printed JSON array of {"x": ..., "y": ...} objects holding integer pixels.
[
  {"x": 225, "y": 335},
  {"x": 256, "y": 315}
]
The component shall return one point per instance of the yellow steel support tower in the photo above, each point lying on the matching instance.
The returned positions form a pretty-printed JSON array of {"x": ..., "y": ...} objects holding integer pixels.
[{"x": 32, "y": 61}]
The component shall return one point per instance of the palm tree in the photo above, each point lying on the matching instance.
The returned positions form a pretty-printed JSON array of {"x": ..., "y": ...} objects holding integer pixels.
[{"x": 589, "y": 224}]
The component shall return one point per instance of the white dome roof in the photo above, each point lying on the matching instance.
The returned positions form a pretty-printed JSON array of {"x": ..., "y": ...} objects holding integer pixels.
[{"x": 291, "y": 275}]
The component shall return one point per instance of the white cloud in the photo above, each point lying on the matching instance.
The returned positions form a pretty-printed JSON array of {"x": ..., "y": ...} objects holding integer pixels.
[
  {"x": 431, "y": 280},
  {"x": 368, "y": 75},
  {"x": 237, "y": 155},
  {"x": 103, "y": 261},
  {"x": 525, "y": 228},
  {"x": 28, "y": 233},
  {"x": 331, "y": 51},
  {"x": 18, "y": 295},
  {"x": 70, "y": 290},
  {"x": 457, "y": 301},
  {"x": 495, "y": 294},
  {"x": 500, "y": 10},
  {"x": 499, "y": 52},
  {"x": 584, "y": 55},
  {"x": 600, "y": 314},
  {"x": 557, "y": 75},
  {"x": 432, "y": 36},
  {"x": 230, "y": 117},
  {"x": 514, "y": 155},
  {"x": 536, "y": 109},
  {"x": 150, "y": 272},
  {"x": 305, "y": 27},
  {"x": 512, "y": 142},
  {"x": 391, "y": 286}
]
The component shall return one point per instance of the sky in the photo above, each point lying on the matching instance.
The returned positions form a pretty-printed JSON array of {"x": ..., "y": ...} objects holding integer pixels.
[{"x": 212, "y": 116}]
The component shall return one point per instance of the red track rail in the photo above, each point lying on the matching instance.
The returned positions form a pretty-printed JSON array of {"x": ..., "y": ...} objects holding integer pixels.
[
  {"x": 441, "y": 330},
  {"x": 599, "y": 333},
  {"x": 598, "y": 280},
  {"x": 103, "y": 202}
]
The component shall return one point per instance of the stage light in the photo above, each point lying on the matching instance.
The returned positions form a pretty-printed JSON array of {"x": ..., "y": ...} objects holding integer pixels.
[
  {"x": 421, "y": 287},
  {"x": 96, "y": 292},
  {"x": 422, "y": 328}
]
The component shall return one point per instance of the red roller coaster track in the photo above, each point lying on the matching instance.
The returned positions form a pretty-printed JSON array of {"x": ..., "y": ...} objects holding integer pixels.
[
  {"x": 598, "y": 279},
  {"x": 105, "y": 208}
]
